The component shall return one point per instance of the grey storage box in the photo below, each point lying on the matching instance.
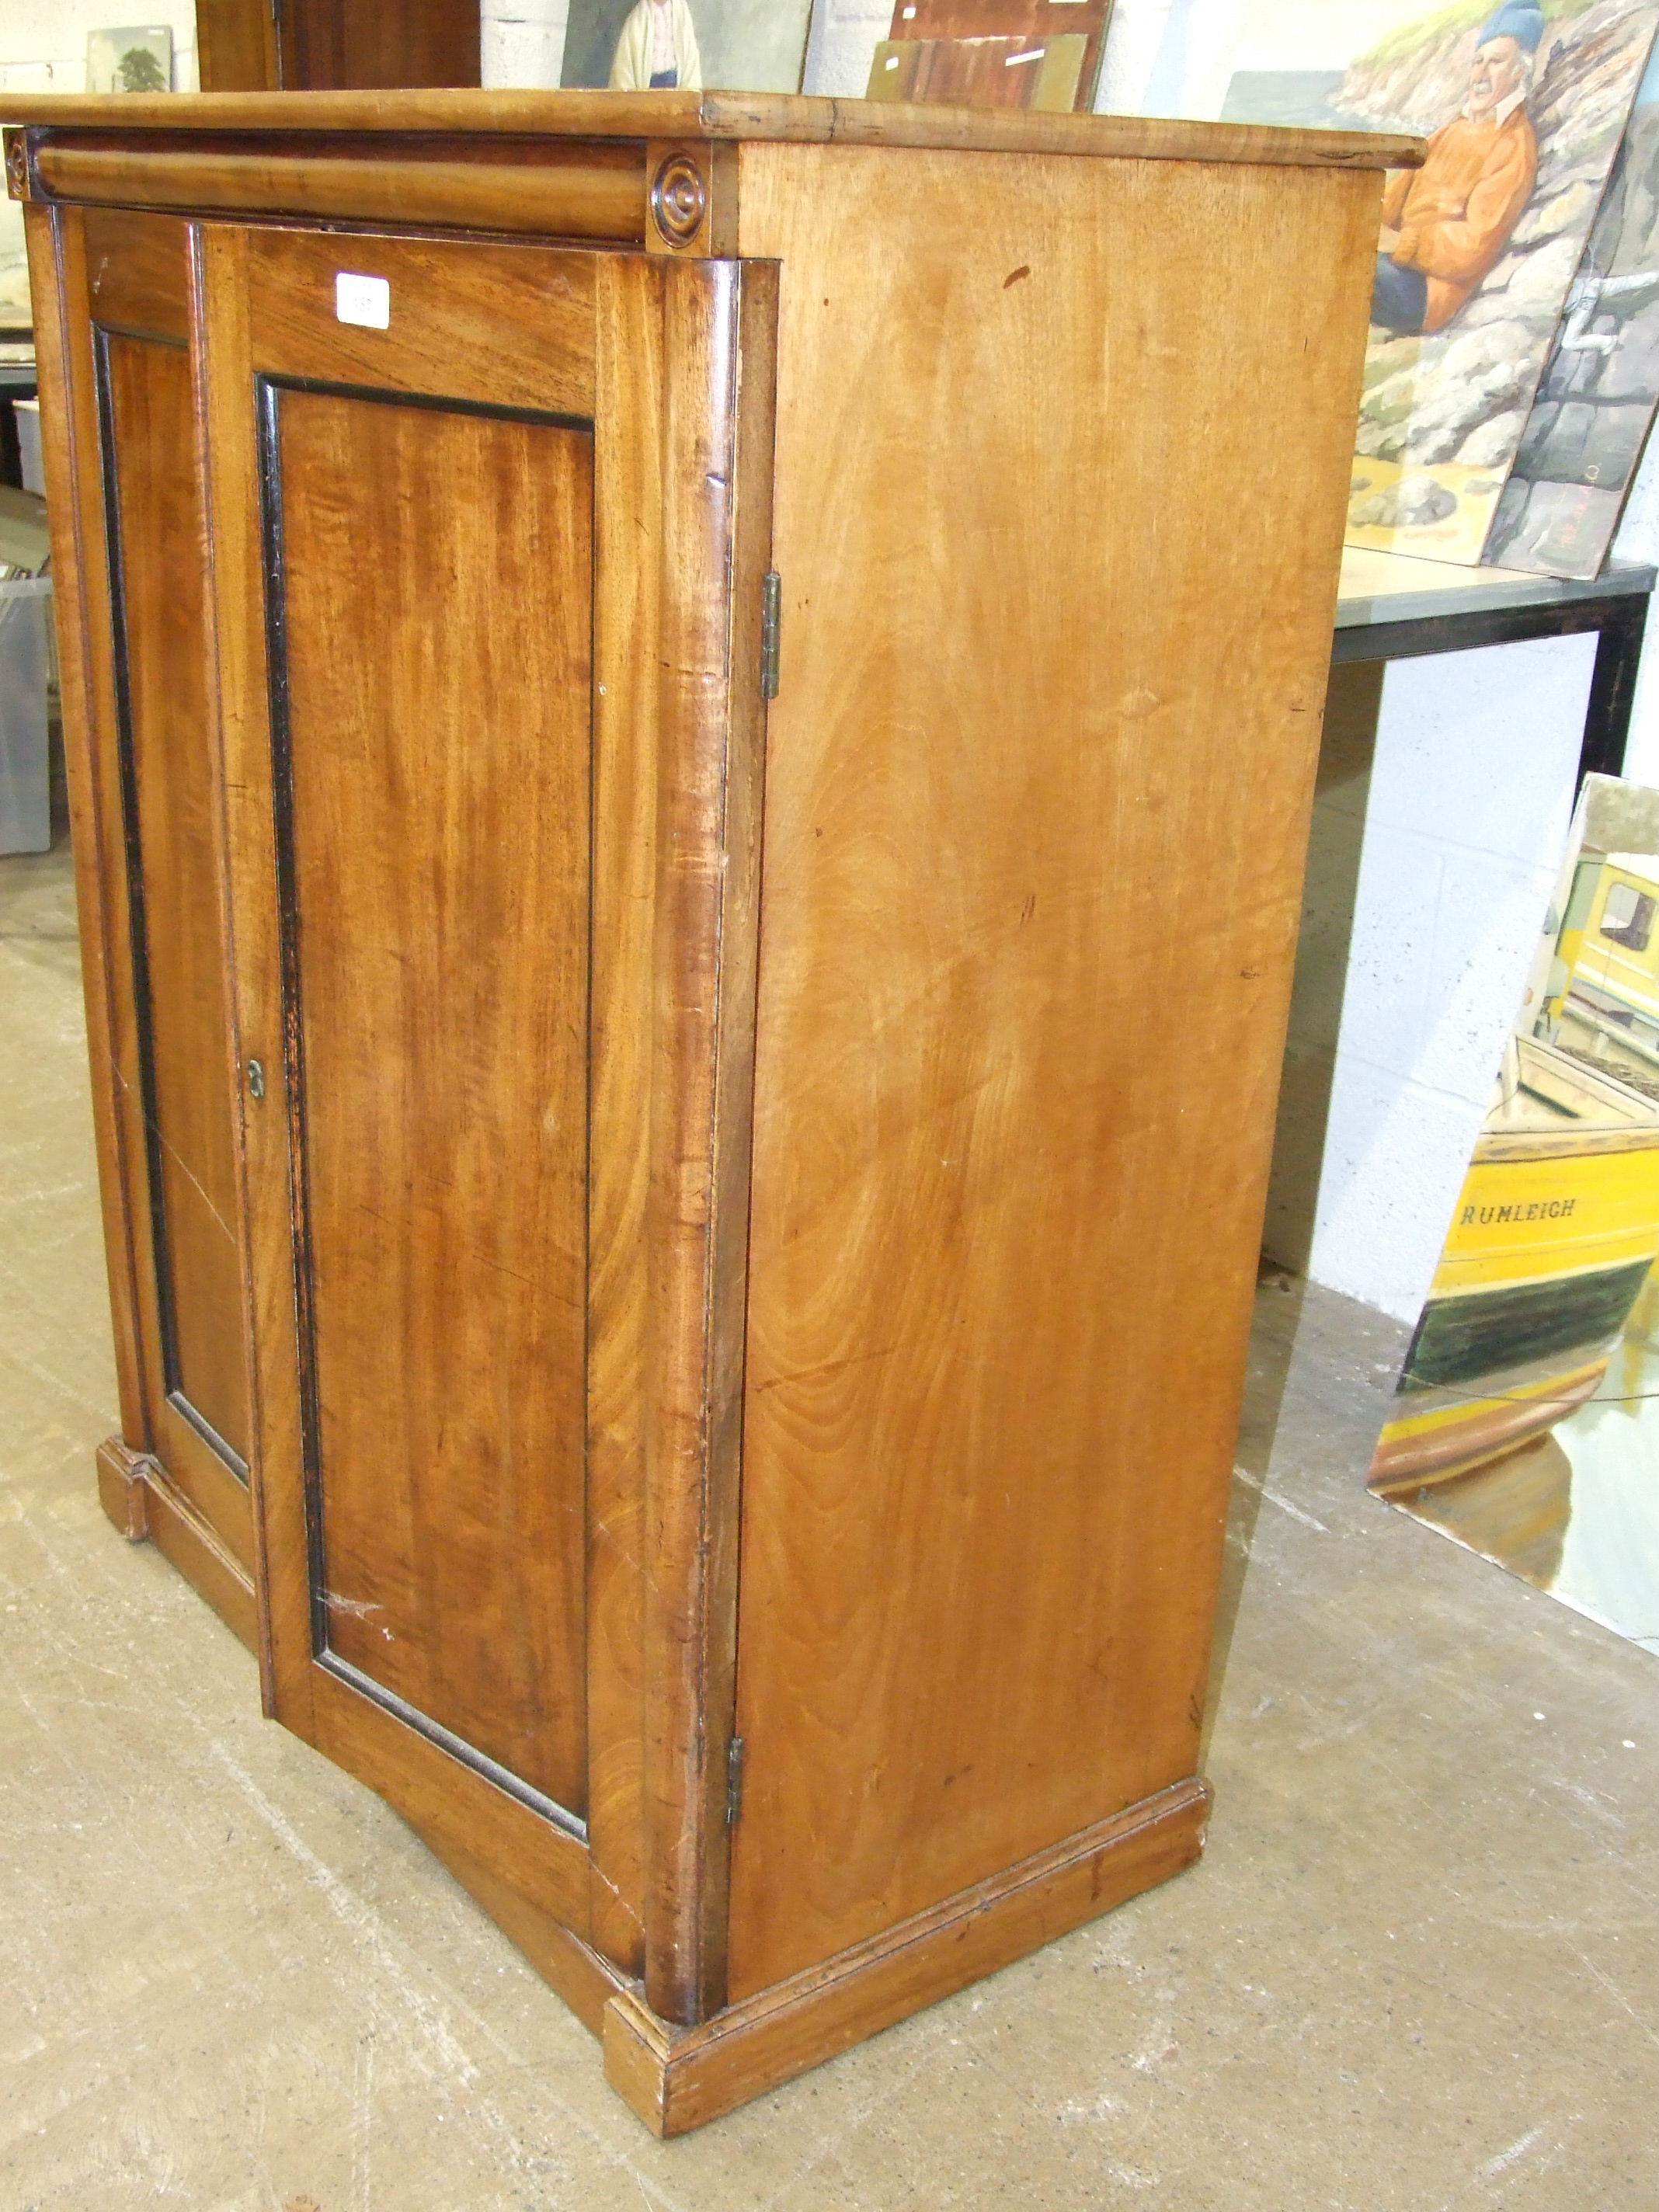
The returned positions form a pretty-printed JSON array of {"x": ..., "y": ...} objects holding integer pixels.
[{"x": 25, "y": 674}]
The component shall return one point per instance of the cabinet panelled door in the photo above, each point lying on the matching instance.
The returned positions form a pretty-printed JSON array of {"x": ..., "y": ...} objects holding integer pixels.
[
  {"x": 155, "y": 930},
  {"x": 438, "y": 506}
]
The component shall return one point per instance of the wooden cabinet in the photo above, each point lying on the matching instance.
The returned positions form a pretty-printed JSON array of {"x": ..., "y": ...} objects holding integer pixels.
[{"x": 693, "y": 722}]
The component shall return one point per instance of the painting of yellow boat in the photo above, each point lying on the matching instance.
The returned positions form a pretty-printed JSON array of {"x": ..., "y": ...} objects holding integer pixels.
[
  {"x": 1557, "y": 1225},
  {"x": 1601, "y": 1002}
]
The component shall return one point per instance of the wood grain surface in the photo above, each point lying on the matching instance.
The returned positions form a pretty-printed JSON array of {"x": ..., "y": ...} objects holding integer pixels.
[
  {"x": 628, "y": 459},
  {"x": 1037, "y": 789},
  {"x": 686, "y": 1298},
  {"x": 236, "y": 563},
  {"x": 125, "y": 477},
  {"x": 443, "y": 1114},
  {"x": 572, "y": 202},
  {"x": 137, "y": 274},
  {"x": 171, "y": 796},
  {"x": 717, "y": 366},
  {"x": 749, "y": 116},
  {"x": 139, "y": 1498},
  {"x": 236, "y": 46},
  {"x": 501, "y": 326},
  {"x": 677, "y": 2080},
  {"x": 525, "y": 339},
  {"x": 70, "y": 441},
  {"x": 363, "y": 43}
]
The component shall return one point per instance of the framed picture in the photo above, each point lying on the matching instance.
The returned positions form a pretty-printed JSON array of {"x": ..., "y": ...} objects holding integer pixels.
[
  {"x": 132, "y": 60},
  {"x": 732, "y": 46}
]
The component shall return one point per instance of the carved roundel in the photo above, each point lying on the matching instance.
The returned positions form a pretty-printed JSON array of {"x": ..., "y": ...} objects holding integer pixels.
[
  {"x": 679, "y": 199},
  {"x": 17, "y": 165}
]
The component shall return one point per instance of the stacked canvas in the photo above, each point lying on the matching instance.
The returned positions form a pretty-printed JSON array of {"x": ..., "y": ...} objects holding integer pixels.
[
  {"x": 992, "y": 53},
  {"x": 1595, "y": 400},
  {"x": 1483, "y": 253},
  {"x": 974, "y": 53}
]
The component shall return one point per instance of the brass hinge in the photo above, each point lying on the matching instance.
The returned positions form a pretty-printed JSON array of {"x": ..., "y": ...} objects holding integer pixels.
[
  {"x": 771, "y": 616},
  {"x": 733, "y": 1781}
]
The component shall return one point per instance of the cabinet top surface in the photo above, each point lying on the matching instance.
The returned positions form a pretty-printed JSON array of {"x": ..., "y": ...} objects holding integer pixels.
[{"x": 718, "y": 115}]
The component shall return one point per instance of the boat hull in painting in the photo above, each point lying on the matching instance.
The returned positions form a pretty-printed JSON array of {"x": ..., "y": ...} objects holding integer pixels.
[{"x": 1555, "y": 1230}]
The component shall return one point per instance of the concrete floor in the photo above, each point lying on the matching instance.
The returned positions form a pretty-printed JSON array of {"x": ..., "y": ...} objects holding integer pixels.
[{"x": 1412, "y": 1973}]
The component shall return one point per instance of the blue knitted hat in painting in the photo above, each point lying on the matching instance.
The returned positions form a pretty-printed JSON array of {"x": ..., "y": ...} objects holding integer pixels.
[{"x": 1516, "y": 19}]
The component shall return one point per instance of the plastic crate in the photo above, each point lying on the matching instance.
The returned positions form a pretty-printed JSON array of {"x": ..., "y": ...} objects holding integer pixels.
[{"x": 25, "y": 675}]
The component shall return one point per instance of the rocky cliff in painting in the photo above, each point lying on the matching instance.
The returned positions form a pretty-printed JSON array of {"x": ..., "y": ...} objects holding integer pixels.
[
  {"x": 1596, "y": 398},
  {"x": 1443, "y": 414}
]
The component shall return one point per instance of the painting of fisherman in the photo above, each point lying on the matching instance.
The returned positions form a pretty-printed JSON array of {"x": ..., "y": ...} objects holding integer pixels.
[{"x": 1445, "y": 225}]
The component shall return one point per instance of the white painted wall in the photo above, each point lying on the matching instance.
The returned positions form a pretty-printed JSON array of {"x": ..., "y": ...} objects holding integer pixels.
[
  {"x": 1445, "y": 795},
  {"x": 521, "y": 42}
]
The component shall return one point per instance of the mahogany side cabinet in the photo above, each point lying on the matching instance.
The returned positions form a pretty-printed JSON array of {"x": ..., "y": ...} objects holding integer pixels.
[{"x": 692, "y": 724}]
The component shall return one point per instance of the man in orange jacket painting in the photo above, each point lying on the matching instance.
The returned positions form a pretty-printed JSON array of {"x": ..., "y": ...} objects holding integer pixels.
[{"x": 1445, "y": 225}]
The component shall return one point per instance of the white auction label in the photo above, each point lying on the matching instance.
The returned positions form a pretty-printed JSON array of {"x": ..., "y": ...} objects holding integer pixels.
[{"x": 365, "y": 300}]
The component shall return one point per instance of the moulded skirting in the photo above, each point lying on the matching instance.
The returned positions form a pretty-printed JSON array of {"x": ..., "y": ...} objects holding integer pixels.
[
  {"x": 676, "y": 2078},
  {"x": 135, "y": 1494}
]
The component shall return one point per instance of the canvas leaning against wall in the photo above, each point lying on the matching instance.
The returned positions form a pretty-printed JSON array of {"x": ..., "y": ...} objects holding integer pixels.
[
  {"x": 1596, "y": 398},
  {"x": 1042, "y": 54},
  {"x": 1524, "y": 106},
  {"x": 638, "y": 45},
  {"x": 1525, "y": 1423}
]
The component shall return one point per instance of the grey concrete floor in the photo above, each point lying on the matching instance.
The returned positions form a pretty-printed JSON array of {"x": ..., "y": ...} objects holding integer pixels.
[{"x": 1413, "y": 1973}]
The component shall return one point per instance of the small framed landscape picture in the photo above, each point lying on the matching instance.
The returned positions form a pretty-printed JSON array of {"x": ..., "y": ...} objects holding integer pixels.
[
  {"x": 132, "y": 60},
  {"x": 728, "y": 45}
]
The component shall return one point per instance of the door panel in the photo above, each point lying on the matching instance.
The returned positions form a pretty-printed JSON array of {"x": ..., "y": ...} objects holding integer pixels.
[
  {"x": 505, "y": 325},
  {"x": 433, "y": 825},
  {"x": 443, "y": 551},
  {"x": 161, "y": 663},
  {"x": 153, "y": 897}
]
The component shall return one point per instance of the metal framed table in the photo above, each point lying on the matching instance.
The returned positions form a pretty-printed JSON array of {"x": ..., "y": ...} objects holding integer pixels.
[{"x": 1390, "y": 607}]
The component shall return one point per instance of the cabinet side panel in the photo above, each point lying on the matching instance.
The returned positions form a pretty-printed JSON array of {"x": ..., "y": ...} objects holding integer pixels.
[{"x": 1061, "y": 462}]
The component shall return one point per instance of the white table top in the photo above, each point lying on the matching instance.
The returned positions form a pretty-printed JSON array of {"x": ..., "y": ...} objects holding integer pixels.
[{"x": 1388, "y": 587}]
